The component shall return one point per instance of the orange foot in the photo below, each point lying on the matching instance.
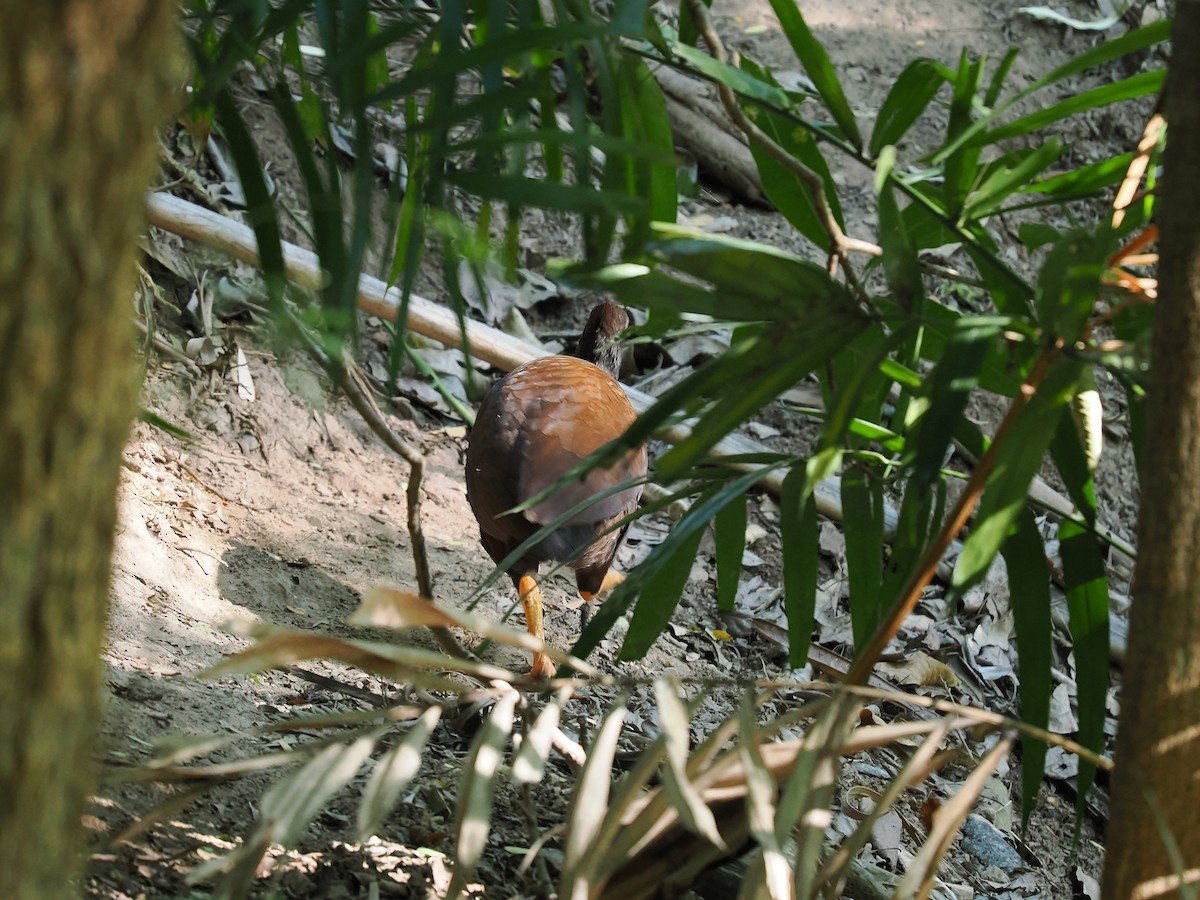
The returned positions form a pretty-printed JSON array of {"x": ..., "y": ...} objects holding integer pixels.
[
  {"x": 542, "y": 667},
  {"x": 611, "y": 579}
]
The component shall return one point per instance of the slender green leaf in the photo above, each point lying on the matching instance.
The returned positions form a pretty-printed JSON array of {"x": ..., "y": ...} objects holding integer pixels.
[
  {"x": 862, "y": 504},
  {"x": 730, "y": 532},
  {"x": 1086, "y": 584},
  {"x": 617, "y": 175},
  {"x": 999, "y": 77},
  {"x": 1138, "y": 85},
  {"x": 791, "y": 196},
  {"x": 960, "y": 167},
  {"x": 630, "y": 18},
  {"x": 687, "y": 531},
  {"x": 684, "y": 796},
  {"x": 1134, "y": 325},
  {"x": 1038, "y": 234},
  {"x": 324, "y": 197},
  {"x": 775, "y": 279},
  {"x": 1103, "y": 52},
  {"x": 547, "y": 195},
  {"x": 1029, "y": 596},
  {"x": 409, "y": 246},
  {"x": 760, "y": 803},
  {"x": 392, "y": 773},
  {"x": 1071, "y": 461},
  {"x": 249, "y": 26},
  {"x": 367, "y": 56},
  {"x": 1020, "y": 457},
  {"x": 902, "y": 269},
  {"x": 606, "y": 143},
  {"x": 815, "y": 60},
  {"x": 737, "y": 80},
  {"x": 260, "y": 210},
  {"x": 644, "y": 121},
  {"x": 1087, "y": 601},
  {"x": 688, "y": 33},
  {"x": 659, "y": 598},
  {"x": 154, "y": 420},
  {"x": 953, "y": 379},
  {"x": 1010, "y": 294},
  {"x": 473, "y": 812},
  {"x": 1086, "y": 181},
  {"x": 775, "y": 370},
  {"x": 900, "y": 263},
  {"x": 1067, "y": 283},
  {"x": 653, "y": 290},
  {"x": 290, "y": 805},
  {"x": 589, "y": 801},
  {"x": 501, "y": 49},
  {"x": 909, "y": 96},
  {"x": 1002, "y": 181},
  {"x": 939, "y": 328},
  {"x": 552, "y": 152},
  {"x": 799, "y": 533},
  {"x": 312, "y": 113},
  {"x": 927, "y": 219},
  {"x": 950, "y": 385},
  {"x": 858, "y": 386},
  {"x": 510, "y": 96},
  {"x": 375, "y": 69}
]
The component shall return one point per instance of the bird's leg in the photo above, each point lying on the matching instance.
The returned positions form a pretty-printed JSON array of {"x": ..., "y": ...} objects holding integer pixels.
[
  {"x": 611, "y": 579},
  {"x": 531, "y": 599}
]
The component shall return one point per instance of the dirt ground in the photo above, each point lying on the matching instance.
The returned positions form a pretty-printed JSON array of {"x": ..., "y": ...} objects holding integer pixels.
[{"x": 285, "y": 509}]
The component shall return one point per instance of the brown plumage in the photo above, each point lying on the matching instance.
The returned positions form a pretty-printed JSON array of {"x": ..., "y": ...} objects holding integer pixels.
[{"x": 533, "y": 426}]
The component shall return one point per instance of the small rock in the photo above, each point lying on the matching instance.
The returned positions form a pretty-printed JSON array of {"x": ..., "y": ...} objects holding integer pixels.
[{"x": 984, "y": 841}]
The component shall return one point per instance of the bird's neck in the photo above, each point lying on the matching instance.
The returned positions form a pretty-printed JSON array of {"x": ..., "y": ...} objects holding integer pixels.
[
  {"x": 605, "y": 353},
  {"x": 598, "y": 343}
]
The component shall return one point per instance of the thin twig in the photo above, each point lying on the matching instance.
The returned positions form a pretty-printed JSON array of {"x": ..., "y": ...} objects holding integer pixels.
[
  {"x": 166, "y": 349},
  {"x": 951, "y": 274},
  {"x": 337, "y": 686},
  {"x": 195, "y": 476},
  {"x": 361, "y": 400},
  {"x": 350, "y": 380},
  {"x": 841, "y": 244}
]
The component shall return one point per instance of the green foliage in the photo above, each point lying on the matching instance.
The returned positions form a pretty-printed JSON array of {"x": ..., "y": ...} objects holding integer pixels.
[
  {"x": 607, "y": 159},
  {"x": 931, "y": 356},
  {"x": 1029, "y": 588},
  {"x": 730, "y": 535},
  {"x": 862, "y": 501},
  {"x": 798, "y": 533},
  {"x": 474, "y": 143},
  {"x": 620, "y": 827}
]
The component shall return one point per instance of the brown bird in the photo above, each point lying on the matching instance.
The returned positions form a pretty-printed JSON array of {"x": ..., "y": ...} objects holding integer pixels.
[{"x": 533, "y": 426}]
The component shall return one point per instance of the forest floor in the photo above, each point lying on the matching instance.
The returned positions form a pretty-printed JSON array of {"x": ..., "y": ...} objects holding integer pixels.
[{"x": 284, "y": 508}]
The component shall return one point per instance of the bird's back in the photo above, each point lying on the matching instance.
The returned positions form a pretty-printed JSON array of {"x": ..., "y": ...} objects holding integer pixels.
[{"x": 535, "y": 425}]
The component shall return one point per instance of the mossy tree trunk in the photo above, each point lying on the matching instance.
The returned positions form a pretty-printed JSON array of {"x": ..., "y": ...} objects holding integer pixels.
[
  {"x": 84, "y": 84},
  {"x": 1154, "y": 826}
]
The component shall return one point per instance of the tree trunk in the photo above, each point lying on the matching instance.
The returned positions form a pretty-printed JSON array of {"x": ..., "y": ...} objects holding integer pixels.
[
  {"x": 83, "y": 86},
  {"x": 1154, "y": 827}
]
